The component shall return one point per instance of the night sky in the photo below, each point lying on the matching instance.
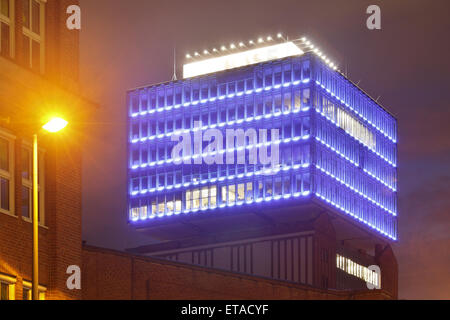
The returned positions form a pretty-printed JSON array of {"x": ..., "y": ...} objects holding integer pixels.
[{"x": 129, "y": 43}]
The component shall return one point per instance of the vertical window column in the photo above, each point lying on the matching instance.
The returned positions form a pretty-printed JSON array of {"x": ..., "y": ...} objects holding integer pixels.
[
  {"x": 6, "y": 174},
  {"x": 33, "y": 32},
  {"x": 7, "y": 28}
]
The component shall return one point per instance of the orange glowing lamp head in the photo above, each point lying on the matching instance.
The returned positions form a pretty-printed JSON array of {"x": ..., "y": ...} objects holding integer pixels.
[{"x": 55, "y": 124}]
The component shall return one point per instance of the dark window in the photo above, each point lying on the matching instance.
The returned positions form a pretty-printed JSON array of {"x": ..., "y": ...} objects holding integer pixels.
[
  {"x": 4, "y": 154},
  {"x": 4, "y": 291},
  {"x": 25, "y": 202},
  {"x": 26, "y": 294},
  {"x": 4, "y": 7},
  {"x": 4, "y": 39},
  {"x": 32, "y": 40},
  {"x": 4, "y": 194}
]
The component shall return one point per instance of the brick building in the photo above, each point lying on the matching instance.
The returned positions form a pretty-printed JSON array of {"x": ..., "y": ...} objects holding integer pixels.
[
  {"x": 39, "y": 64},
  {"x": 109, "y": 274},
  {"x": 118, "y": 275},
  {"x": 39, "y": 77}
]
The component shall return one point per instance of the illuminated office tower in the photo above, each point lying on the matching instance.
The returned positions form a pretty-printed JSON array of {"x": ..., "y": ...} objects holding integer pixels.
[{"x": 336, "y": 166}]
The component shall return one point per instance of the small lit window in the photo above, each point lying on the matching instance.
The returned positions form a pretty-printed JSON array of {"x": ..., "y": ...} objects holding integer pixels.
[
  {"x": 231, "y": 194},
  {"x": 204, "y": 197},
  {"x": 241, "y": 191},
  {"x": 306, "y": 97},
  {"x": 357, "y": 270}
]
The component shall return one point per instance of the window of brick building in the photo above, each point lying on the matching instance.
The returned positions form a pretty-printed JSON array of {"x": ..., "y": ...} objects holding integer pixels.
[
  {"x": 7, "y": 28},
  {"x": 7, "y": 287},
  {"x": 27, "y": 292},
  {"x": 33, "y": 34},
  {"x": 6, "y": 174},
  {"x": 27, "y": 185}
]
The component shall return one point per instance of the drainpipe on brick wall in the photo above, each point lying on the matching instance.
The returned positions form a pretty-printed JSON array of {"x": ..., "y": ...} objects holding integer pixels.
[{"x": 132, "y": 279}]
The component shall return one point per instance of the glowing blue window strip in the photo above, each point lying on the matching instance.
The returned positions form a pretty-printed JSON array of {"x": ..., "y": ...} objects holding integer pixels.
[
  {"x": 223, "y": 205},
  {"x": 337, "y": 152},
  {"x": 231, "y": 177},
  {"x": 379, "y": 180},
  {"x": 356, "y": 190},
  {"x": 194, "y": 156},
  {"x": 230, "y": 96},
  {"x": 370, "y": 149},
  {"x": 222, "y": 124},
  {"x": 393, "y": 237},
  {"x": 360, "y": 115},
  {"x": 354, "y": 163}
]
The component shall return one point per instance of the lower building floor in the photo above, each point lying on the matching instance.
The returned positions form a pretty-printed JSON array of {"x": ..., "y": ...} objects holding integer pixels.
[{"x": 112, "y": 274}]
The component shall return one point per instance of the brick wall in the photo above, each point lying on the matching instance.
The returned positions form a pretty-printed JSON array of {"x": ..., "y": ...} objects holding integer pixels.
[
  {"x": 385, "y": 258},
  {"x": 324, "y": 253},
  {"x": 25, "y": 97},
  {"x": 108, "y": 274}
]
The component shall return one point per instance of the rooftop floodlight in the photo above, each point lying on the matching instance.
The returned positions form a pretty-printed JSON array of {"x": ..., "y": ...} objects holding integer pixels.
[
  {"x": 215, "y": 50},
  {"x": 303, "y": 39},
  {"x": 260, "y": 40},
  {"x": 308, "y": 42},
  {"x": 279, "y": 36},
  {"x": 196, "y": 54},
  {"x": 269, "y": 38},
  {"x": 232, "y": 46},
  {"x": 223, "y": 48},
  {"x": 205, "y": 52},
  {"x": 251, "y": 42},
  {"x": 55, "y": 124},
  {"x": 188, "y": 56},
  {"x": 241, "y": 44}
]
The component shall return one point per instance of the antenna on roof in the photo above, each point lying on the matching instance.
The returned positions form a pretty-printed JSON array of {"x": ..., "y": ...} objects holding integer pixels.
[
  {"x": 174, "y": 77},
  {"x": 357, "y": 84},
  {"x": 376, "y": 100}
]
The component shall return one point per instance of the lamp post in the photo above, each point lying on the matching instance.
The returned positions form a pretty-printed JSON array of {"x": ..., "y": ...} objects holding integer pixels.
[{"x": 54, "y": 125}]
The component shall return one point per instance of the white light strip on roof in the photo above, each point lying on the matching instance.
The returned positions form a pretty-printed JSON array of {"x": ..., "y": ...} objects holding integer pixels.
[
  {"x": 241, "y": 59},
  {"x": 319, "y": 53}
]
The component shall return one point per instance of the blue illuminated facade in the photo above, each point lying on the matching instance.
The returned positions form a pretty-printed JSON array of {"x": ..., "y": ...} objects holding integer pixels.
[{"x": 337, "y": 146}]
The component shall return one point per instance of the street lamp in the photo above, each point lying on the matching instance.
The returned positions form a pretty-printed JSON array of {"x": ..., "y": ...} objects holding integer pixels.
[{"x": 54, "y": 125}]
